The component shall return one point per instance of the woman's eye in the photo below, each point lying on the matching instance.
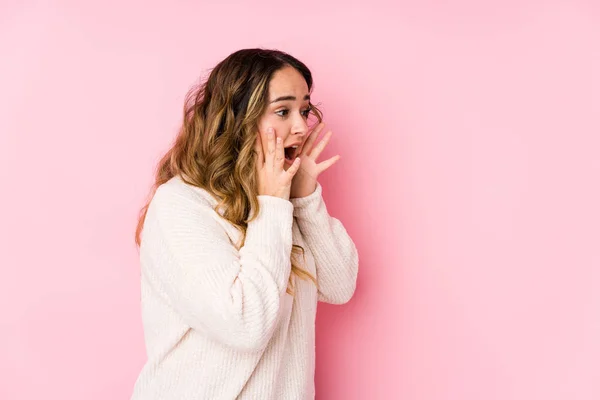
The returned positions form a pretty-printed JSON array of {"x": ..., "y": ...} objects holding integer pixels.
[{"x": 284, "y": 112}]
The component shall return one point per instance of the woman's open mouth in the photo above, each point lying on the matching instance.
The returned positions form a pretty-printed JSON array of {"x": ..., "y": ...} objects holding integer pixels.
[{"x": 290, "y": 154}]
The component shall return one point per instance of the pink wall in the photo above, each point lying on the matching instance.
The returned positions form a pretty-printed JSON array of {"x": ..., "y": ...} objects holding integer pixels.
[{"x": 469, "y": 180}]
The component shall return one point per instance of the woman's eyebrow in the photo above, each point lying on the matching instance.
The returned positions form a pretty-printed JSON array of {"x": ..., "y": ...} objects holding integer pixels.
[{"x": 283, "y": 98}]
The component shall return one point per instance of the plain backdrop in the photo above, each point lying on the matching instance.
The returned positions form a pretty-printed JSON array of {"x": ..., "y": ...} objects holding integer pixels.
[{"x": 469, "y": 180}]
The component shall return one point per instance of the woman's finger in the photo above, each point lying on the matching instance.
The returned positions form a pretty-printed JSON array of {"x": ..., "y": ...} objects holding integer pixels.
[
  {"x": 270, "y": 151},
  {"x": 328, "y": 163},
  {"x": 316, "y": 152},
  {"x": 279, "y": 154},
  {"x": 260, "y": 157},
  {"x": 291, "y": 171},
  {"x": 307, "y": 146}
]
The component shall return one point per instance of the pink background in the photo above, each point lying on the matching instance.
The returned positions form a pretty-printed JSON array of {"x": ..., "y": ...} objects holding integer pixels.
[{"x": 469, "y": 180}]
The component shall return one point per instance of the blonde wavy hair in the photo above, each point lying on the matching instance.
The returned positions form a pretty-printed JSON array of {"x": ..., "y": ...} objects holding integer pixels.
[{"x": 214, "y": 149}]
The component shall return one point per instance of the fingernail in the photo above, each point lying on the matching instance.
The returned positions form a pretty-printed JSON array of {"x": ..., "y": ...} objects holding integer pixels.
[{"x": 270, "y": 130}]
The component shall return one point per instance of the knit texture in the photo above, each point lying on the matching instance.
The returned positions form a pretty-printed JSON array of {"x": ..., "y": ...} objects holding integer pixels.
[{"x": 218, "y": 323}]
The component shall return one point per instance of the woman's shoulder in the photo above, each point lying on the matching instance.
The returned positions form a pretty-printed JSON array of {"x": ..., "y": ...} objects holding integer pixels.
[{"x": 178, "y": 206}]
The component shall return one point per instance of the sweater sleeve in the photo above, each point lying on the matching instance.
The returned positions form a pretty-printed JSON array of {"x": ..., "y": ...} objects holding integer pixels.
[
  {"x": 334, "y": 251},
  {"x": 232, "y": 296}
]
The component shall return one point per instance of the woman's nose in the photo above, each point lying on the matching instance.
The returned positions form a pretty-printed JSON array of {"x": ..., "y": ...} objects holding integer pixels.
[{"x": 300, "y": 127}]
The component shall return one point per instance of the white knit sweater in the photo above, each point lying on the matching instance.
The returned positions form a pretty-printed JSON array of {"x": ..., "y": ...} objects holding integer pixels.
[{"x": 218, "y": 323}]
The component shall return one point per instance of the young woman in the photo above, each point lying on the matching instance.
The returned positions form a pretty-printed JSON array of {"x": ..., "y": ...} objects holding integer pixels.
[{"x": 236, "y": 244}]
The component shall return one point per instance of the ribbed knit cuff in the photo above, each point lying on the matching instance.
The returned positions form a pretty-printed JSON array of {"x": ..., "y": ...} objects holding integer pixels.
[
  {"x": 310, "y": 207},
  {"x": 274, "y": 220},
  {"x": 271, "y": 233}
]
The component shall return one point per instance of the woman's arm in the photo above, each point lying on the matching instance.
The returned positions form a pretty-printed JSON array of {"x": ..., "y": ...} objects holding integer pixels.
[
  {"x": 334, "y": 251},
  {"x": 232, "y": 296}
]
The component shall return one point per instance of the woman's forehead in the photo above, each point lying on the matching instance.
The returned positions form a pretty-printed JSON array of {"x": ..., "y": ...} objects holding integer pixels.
[{"x": 288, "y": 82}]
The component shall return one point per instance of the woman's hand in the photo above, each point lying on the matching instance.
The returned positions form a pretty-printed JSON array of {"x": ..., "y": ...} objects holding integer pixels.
[
  {"x": 304, "y": 182},
  {"x": 273, "y": 179}
]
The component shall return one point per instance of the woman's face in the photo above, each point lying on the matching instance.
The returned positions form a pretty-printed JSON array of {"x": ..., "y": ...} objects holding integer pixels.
[{"x": 287, "y": 110}]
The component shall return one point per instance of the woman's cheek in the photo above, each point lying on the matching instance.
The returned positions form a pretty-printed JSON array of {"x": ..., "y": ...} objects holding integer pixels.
[{"x": 267, "y": 122}]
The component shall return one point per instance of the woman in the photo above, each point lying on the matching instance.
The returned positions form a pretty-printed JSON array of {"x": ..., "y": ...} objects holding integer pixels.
[{"x": 236, "y": 244}]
